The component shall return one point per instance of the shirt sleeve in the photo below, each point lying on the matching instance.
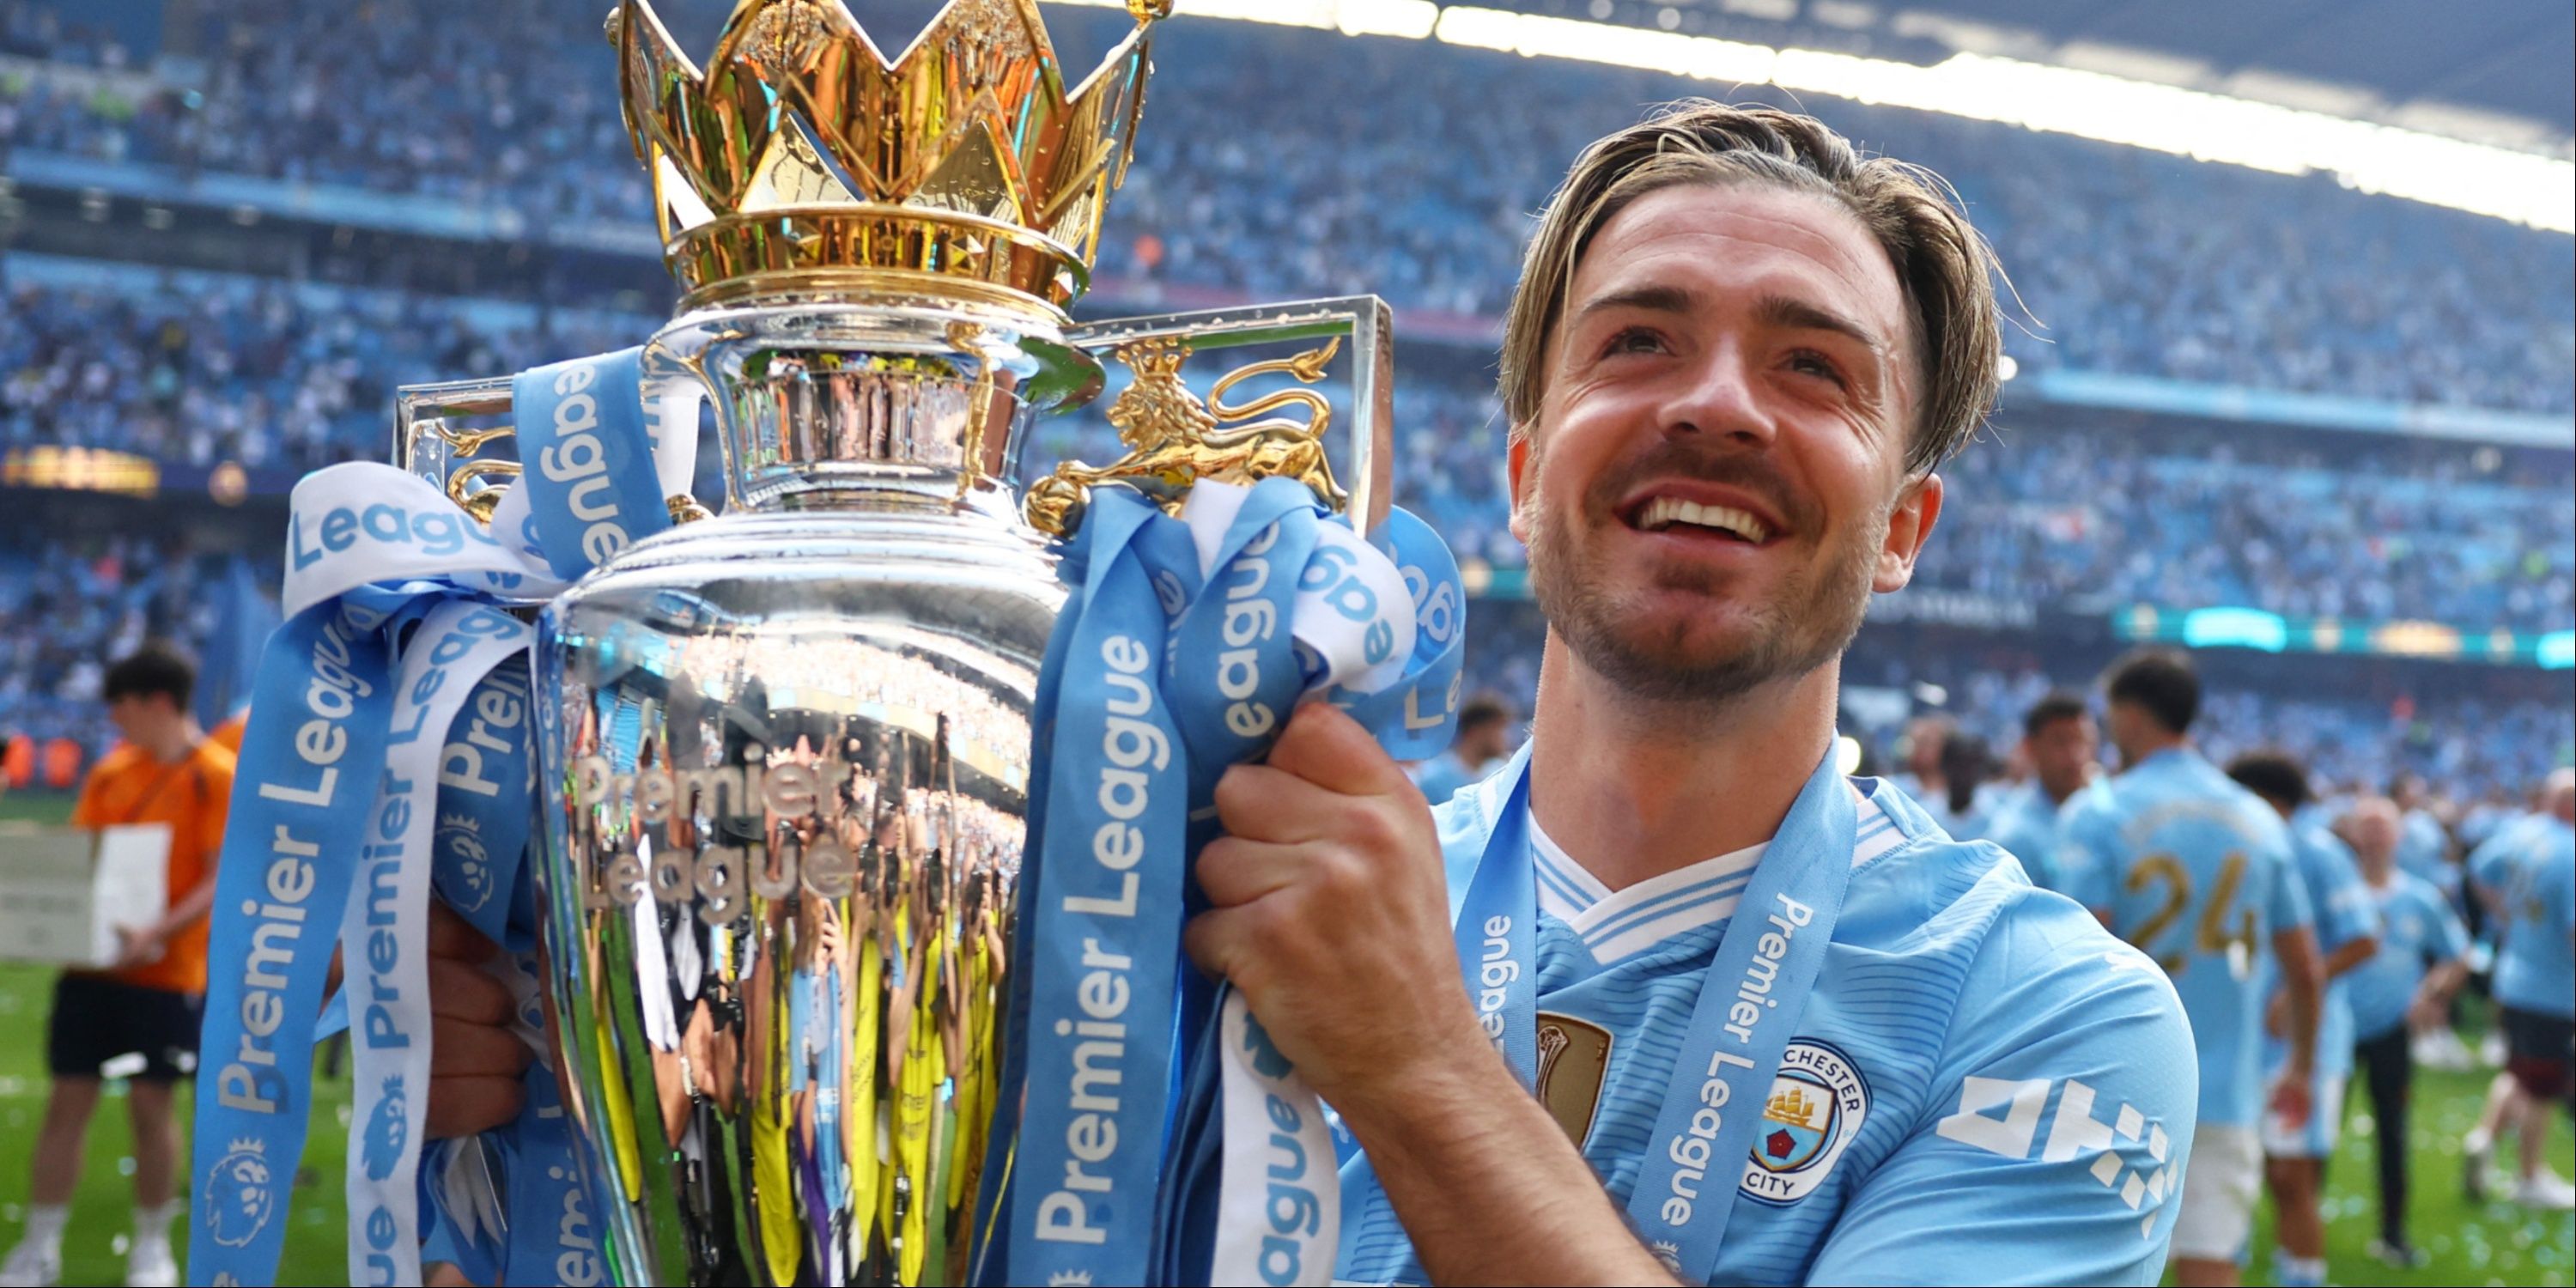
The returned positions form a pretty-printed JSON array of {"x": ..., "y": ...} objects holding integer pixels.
[
  {"x": 90, "y": 810},
  {"x": 2348, "y": 912},
  {"x": 2053, "y": 1150}
]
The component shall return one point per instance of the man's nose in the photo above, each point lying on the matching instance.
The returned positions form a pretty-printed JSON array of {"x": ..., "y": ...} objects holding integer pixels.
[{"x": 1720, "y": 396}]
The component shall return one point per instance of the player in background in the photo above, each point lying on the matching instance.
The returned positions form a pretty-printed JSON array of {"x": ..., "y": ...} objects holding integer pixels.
[
  {"x": 146, "y": 1005},
  {"x": 2199, "y": 873},
  {"x": 2063, "y": 748},
  {"x": 2535, "y": 986},
  {"x": 2348, "y": 931},
  {"x": 2488, "y": 875},
  {"x": 1484, "y": 738},
  {"x": 2392, "y": 991}
]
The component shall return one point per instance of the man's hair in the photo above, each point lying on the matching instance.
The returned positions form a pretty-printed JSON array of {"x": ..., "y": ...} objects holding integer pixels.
[
  {"x": 1483, "y": 709},
  {"x": 2058, "y": 705},
  {"x": 2274, "y": 776},
  {"x": 153, "y": 668},
  {"x": 2159, "y": 682},
  {"x": 1944, "y": 267}
]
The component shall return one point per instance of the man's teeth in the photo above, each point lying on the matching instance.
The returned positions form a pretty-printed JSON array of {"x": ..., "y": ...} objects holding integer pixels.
[{"x": 1665, "y": 511}]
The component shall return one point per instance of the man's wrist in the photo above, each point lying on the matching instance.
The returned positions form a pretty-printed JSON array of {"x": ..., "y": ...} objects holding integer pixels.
[{"x": 1443, "y": 1087}]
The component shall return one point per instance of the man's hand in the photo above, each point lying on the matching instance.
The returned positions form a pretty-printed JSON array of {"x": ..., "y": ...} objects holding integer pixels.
[
  {"x": 1331, "y": 914},
  {"x": 137, "y": 946},
  {"x": 475, "y": 1060},
  {"x": 2290, "y": 1101}
]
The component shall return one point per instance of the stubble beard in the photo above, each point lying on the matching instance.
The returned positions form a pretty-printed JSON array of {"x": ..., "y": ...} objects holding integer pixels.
[{"x": 1805, "y": 624}]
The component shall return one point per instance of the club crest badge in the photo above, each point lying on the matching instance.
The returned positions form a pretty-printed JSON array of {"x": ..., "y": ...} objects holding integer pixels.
[{"x": 1818, "y": 1102}]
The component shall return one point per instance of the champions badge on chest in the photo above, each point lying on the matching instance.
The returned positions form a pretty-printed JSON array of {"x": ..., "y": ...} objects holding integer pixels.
[{"x": 840, "y": 840}]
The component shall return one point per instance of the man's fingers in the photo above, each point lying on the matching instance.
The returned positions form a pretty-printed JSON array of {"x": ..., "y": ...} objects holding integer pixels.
[
  {"x": 462, "y": 1050},
  {"x": 464, "y": 1106},
  {"x": 461, "y": 992},
  {"x": 1266, "y": 803},
  {"x": 1329, "y": 749},
  {"x": 452, "y": 936},
  {"x": 1234, "y": 870},
  {"x": 1214, "y": 939}
]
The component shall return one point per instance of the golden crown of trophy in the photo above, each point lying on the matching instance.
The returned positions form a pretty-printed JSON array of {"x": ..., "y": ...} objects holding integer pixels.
[{"x": 785, "y": 751}]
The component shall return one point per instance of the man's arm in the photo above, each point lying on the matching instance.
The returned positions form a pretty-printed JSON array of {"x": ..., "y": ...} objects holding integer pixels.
[
  {"x": 1330, "y": 912},
  {"x": 2052, "y": 1151},
  {"x": 2303, "y": 981},
  {"x": 2349, "y": 954}
]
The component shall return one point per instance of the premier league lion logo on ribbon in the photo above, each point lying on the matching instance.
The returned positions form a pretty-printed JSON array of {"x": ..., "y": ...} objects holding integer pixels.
[
  {"x": 238, "y": 1200},
  {"x": 386, "y": 1128},
  {"x": 464, "y": 871}
]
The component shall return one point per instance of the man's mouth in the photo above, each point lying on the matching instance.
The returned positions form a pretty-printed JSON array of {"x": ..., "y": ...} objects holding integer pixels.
[{"x": 1692, "y": 518}]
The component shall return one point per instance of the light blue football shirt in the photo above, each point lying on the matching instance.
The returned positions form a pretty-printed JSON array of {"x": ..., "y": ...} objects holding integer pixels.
[
  {"x": 1983, "y": 1086},
  {"x": 2422, "y": 849},
  {"x": 2331, "y": 878},
  {"x": 2536, "y": 964},
  {"x": 2025, "y": 825},
  {"x": 2197, "y": 871},
  {"x": 2417, "y": 928},
  {"x": 2491, "y": 864}
]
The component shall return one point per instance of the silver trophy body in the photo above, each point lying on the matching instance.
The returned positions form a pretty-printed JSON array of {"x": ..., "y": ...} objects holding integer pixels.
[
  {"x": 785, "y": 751},
  {"x": 786, "y": 761}
]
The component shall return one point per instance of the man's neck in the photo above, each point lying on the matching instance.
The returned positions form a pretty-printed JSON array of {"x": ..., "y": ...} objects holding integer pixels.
[
  {"x": 2156, "y": 746},
  {"x": 1634, "y": 789},
  {"x": 173, "y": 745}
]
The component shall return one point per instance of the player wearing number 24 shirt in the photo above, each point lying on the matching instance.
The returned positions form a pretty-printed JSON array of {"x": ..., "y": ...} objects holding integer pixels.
[{"x": 2197, "y": 871}]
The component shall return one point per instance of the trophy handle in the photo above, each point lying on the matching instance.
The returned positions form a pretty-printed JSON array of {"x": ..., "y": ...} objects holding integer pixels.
[
  {"x": 425, "y": 444},
  {"x": 1175, "y": 438}
]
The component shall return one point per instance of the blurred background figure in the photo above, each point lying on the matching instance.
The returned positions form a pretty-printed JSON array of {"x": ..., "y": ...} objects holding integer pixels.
[
  {"x": 2062, "y": 746},
  {"x": 2421, "y": 963},
  {"x": 138, "y": 1019}
]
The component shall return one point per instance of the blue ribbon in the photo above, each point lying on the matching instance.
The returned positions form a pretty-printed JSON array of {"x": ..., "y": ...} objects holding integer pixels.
[
  {"x": 371, "y": 551},
  {"x": 1757, "y": 985},
  {"x": 588, "y": 464},
  {"x": 318, "y": 721},
  {"x": 1107, "y": 942}
]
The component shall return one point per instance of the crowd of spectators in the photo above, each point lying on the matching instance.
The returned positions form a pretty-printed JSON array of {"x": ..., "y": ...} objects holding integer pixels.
[
  {"x": 257, "y": 372},
  {"x": 2469, "y": 741},
  {"x": 68, "y": 607},
  {"x": 1286, "y": 163}
]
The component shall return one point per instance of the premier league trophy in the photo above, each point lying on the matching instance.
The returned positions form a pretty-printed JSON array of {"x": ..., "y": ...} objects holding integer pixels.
[{"x": 785, "y": 753}]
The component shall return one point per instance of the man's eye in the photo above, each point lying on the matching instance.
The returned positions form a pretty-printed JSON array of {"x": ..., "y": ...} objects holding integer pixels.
[
  {"x": 1810, "y": 363},
  {"x": 1634, "y": 340}
]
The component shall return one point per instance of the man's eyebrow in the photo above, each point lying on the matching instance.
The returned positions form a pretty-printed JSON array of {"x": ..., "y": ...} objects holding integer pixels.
[
  {"x": 1651, "y": 299},
  {"x": 1793, "y": 314}
]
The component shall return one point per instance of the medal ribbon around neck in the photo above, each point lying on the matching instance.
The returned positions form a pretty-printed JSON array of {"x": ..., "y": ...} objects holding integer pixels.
[
  {"x": 1749, "y": 1004},
  {"x": 389, "y": 754}
]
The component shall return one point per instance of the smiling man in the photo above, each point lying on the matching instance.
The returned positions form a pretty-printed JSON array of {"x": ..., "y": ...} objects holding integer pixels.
[{"x": 1780, "y": 1027}]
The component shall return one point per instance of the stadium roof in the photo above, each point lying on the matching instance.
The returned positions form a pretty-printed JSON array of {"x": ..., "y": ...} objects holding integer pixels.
[{"x": 2381, "y": 59}]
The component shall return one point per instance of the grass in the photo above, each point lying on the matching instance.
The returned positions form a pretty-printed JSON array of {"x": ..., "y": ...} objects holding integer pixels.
[{"x": 2493, "y": 1243}]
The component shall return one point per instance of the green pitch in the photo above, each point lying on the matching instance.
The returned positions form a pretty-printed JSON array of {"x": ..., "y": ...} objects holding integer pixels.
[{"x": 2494, "y": 1243}]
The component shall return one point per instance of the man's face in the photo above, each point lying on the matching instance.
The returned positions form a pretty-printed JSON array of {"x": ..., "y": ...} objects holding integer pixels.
[
  {"x": 1716, "y": 482},
  {"x": 2063, "y": 754},
  {"x": 2372, "y": 830},
  {"x": 141, "y": 718}
]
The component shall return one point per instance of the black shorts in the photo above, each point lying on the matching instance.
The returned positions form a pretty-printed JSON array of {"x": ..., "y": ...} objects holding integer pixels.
[
  {"x": 97, "y": 1019},
  {"x": 2537, "y": 1049}
]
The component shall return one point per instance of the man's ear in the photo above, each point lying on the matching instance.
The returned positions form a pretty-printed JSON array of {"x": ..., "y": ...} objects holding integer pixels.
[
  {"x": 1918, "y": 508},
  {"x": 1518, "y": 461}
]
